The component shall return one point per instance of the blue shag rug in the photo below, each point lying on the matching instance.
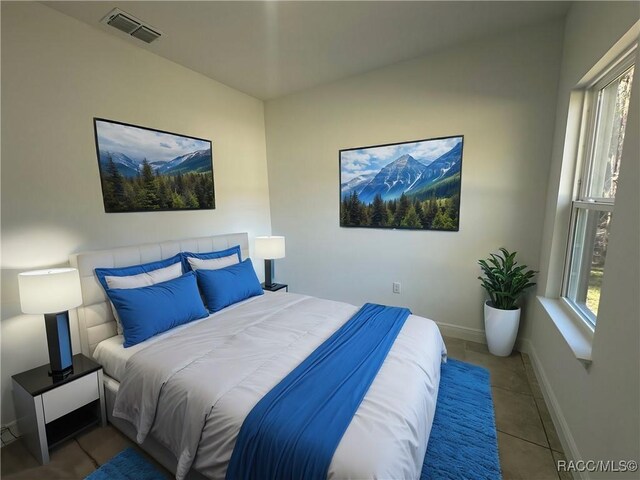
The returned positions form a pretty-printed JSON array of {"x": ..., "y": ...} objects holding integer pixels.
[
  {"x": 127, "y": 465},
  {"x": 463, "y": 442}
]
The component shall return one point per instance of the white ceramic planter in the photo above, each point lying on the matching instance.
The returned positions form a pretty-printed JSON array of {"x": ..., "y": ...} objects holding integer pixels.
[{"x": 501, "y": 329}]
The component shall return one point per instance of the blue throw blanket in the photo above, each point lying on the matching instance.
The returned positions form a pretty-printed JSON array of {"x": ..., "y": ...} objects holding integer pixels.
[{"x": 293, "y": 432}]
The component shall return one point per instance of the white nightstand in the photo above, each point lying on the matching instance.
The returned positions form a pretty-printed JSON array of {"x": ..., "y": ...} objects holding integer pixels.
[{"x": 51, "y": 411}]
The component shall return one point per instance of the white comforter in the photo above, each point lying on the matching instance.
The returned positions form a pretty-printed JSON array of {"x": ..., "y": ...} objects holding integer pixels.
[{"x": 192, "y": 390}]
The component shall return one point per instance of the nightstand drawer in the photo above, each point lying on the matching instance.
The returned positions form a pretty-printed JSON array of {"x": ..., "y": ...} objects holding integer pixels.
[{"x": 69, "y": 397}]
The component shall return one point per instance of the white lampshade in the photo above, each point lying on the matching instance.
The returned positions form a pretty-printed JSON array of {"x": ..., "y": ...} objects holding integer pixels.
[
  {"x": 269, "y": 247},
  {"x": 49, "y": 291}
]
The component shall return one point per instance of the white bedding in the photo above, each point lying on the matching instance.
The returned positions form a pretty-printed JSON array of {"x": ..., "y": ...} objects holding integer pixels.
[
  {"x": 191, "y": 388},
  {"x": 113, "y": 356}
]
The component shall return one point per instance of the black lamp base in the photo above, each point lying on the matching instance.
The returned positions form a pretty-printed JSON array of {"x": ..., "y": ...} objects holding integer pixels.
[
  {"x": 268, "y": 273},
  {"x": 59, "y": 344},
  {"x": 61, "y": 374}
]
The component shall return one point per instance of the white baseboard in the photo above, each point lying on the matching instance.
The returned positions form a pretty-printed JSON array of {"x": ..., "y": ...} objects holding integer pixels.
[
  {"x": 562, "y": 427},
  {"x": 464, "y": 333},
  {"x": 473, "y": 335}
]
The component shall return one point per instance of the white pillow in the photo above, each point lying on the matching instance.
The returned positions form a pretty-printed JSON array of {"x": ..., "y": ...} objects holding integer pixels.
[
  {"x": 142, "y": 280},
  {"x": 212, "y": 263},
  {"x": 146, "y": 279}
]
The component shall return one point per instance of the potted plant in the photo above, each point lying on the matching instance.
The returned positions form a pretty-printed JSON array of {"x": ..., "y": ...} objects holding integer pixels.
[{"x": 505, "y": 281}]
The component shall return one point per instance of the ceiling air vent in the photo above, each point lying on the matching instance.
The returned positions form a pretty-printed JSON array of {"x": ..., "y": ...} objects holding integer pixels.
[
  {"x": 145, "y": 34},
  {"x": 124, "y": 23},
  {"x": 131, "y": 25}
]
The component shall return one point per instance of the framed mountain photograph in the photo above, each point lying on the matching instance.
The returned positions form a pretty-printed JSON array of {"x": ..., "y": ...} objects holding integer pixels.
[
  {"x": 145, "y": 170},
  {"x": 409, "y": 185}
]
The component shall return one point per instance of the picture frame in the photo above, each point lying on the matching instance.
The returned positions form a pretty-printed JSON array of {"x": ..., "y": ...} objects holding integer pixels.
[
  {"x": 412, "y": 185},
  {"x": 144, "y": 169}
]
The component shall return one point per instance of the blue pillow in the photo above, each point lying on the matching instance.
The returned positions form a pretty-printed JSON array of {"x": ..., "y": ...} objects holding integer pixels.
[
  {"x": 148, "y": 311},
  {"x": 101, "y": 273},
  {"x": 207, "y": 256},
  {"x": 226, "y": 286}
]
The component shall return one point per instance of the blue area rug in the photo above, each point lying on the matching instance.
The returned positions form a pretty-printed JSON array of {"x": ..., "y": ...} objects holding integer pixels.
[
  {"x": 127, "y": 465},
  {"x": 463, "y": 442}
]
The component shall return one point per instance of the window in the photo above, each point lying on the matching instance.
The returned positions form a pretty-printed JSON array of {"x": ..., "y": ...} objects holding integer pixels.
[{"x": 607, "y": 103}]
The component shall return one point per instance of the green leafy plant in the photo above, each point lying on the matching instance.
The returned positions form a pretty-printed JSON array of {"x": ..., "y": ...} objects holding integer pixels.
[{"x": 505, "y": 280}]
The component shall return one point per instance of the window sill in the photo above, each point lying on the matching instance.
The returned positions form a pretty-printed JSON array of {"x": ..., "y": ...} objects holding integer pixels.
[{"x": 577, "y": 336}]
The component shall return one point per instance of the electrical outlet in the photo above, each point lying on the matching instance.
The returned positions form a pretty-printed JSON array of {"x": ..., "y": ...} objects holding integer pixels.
[{"x": 396, "y": 287}]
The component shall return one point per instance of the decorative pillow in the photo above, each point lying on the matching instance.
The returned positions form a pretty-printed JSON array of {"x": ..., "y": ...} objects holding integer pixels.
[
  {"x": 212, "y": 263},
  {"x": 148, "y": 311},
  {"x": 101, "y": 273},
  {"x": 145, "y": 279},
  {"x": 226, "y": 286},
  {"x": 209, "y": 256},
  {"x": 136, "y": 276}
]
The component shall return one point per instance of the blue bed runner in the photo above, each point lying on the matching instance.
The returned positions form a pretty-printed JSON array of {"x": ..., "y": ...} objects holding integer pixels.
[{"x": 294, "y": 430}]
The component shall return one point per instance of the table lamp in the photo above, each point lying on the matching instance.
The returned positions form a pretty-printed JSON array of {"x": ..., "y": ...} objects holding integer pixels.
[
  {"x": 53, "y": 292},
  {"x": 269, "y": 248}
]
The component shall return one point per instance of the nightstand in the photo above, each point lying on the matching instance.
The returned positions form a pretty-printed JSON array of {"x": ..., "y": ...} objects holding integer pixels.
[
  {"x": 51, "y": 411},
  {"x": 275, "y": 287}
]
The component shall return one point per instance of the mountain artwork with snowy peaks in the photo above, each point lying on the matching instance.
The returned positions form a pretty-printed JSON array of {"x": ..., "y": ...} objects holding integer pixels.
[
  {"x": 142, "y": 169},
  {"x": 193, "y": 162},
  {"x": 412, "y": 185}
]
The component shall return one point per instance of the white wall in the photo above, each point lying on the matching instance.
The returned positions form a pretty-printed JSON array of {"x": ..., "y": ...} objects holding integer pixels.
[
  {"x": 598, "y": 409},
  {"x": 57, "y": 74},
  {"x": 500, "y": 93}
]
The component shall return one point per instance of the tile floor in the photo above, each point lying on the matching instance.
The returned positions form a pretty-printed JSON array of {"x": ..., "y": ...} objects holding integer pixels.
[
  {"x": 527, "y": 440},
  {"x": 528, "y": 444}
]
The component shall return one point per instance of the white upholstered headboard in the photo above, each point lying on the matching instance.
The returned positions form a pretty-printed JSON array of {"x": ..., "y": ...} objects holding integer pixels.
[{"x": 94, "y": 317}]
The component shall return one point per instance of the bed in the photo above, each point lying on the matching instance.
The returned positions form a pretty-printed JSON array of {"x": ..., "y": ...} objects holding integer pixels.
[{"x": 222, "y": 365}]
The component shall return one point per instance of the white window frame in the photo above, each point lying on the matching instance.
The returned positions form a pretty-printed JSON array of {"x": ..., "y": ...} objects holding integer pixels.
[{"x": 584, "y": 170}]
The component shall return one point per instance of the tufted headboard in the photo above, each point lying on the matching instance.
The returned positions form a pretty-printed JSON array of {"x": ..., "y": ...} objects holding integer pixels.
[{"x": 94, "y": 317}]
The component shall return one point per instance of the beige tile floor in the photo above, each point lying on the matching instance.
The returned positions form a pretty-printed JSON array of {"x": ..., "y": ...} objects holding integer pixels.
[
  {"x": 527, "y": 441},
  {"x": 528, "y": 444}
]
